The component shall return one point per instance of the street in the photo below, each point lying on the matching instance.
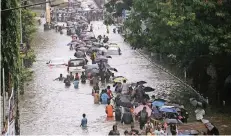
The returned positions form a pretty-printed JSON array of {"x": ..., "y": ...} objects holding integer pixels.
[{"x": 47, "y": 107}]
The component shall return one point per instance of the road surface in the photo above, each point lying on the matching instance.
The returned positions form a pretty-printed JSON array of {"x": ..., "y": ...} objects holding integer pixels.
[{"x": 47, "y": 107}]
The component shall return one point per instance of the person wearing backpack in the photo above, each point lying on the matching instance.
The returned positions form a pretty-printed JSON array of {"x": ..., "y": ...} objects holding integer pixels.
[{"x": 143, "y": 117}]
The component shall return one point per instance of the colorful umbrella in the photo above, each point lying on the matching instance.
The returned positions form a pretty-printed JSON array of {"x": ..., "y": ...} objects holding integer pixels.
[
  {"x": 158, "y": 103},
  {"x": 148, "y": 89},
  {"x": 166, "y": 109},
  {"x": 140, "y": 108},
  {"x": 119, "y": 79}
]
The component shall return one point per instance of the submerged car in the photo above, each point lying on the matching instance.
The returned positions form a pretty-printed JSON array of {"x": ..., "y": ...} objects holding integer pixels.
[
  {"x": 57, "y": 62},
  {"x": 76, "y": 65}
]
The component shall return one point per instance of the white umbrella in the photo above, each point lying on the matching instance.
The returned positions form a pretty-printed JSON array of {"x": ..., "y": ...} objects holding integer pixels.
[{"x": 103, "y": 49}]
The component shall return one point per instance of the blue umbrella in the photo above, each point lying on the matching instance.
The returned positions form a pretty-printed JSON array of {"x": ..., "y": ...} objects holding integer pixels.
[
  {"x": 171, "y": 110},
  {"x": 158, "y": 103}
]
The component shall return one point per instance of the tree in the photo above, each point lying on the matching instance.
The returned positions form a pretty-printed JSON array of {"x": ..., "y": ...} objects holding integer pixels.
[
  {"x": 28, "y": 25},
  {"x": 10, "y": 43},
  {"x": 192, "y": 31}
]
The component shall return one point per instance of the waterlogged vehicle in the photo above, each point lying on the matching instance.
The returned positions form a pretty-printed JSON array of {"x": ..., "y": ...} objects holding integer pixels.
[
  {"x": 76, "y": 65},
  {"x": 57, "y": 62}
]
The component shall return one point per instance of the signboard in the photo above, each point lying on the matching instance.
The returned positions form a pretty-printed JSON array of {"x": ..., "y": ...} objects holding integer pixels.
[{"x": 11, "y": 116}]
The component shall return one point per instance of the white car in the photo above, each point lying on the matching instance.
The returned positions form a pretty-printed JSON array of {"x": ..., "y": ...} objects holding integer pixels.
[
  {"x": 76, "y": 65},
  {"x": 57, "y": 62}
]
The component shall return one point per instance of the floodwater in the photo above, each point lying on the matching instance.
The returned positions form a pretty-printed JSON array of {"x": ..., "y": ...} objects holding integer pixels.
[{"x": 47, "y": 107}]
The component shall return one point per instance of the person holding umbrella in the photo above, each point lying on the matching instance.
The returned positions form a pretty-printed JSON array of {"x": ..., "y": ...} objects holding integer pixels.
[{"x": 143, "y": 117}]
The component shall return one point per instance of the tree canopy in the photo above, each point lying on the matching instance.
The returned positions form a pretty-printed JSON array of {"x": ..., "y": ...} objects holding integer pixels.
[
  {"x": 188, "y": 30},
  {"x": 10, "y": 40}
]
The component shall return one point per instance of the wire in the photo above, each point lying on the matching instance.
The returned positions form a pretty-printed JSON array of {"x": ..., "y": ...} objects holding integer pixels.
[{"x": 31, "y": 5}]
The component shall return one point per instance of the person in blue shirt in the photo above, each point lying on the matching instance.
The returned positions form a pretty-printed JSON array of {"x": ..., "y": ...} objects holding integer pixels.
[
  {"x": 76, "y": 83},
  {"x": 84, "y": 121},
  {"x": 104, "y": 97}
]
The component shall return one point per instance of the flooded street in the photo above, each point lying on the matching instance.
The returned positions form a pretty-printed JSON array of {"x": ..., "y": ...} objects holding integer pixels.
[{"x": 48, "y": 108}]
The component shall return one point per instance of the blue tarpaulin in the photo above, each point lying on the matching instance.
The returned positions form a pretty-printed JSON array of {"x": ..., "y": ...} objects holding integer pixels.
[
  {"x": 171, "y": 110},
  {"x": 158, "y": 103}
]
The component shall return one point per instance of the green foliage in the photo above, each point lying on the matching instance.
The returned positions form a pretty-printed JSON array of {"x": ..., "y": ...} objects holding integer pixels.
[
  {"x": 117, "y": 7},
  {"x": 183, "y": 28},
  {"x": 108, "y": 19},
  {"x": 10, "y": 41},
  {"x": 26, "y": 75},
  {"x": 30, "y": 55},
  {"x": 28, "y": 25},
  {"x": 193, "y": 33}
]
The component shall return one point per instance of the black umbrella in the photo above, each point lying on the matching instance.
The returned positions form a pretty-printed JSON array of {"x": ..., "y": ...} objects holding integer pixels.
[
  {"x": 162, "y": 100},
  {"x": 141, "y": 82},
  {"x": 125, "y": 101},
  {"x": 148, "y": 89},
  {"x": 79, "y": 54},
  {"x": 108, "y": 57}
]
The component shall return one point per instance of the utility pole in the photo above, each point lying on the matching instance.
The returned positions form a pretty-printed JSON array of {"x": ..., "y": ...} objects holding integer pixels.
[
  {"x": 20, "y": 16},
  {"x": 103, "y": 8},
  {"x": 4, "y": 96}
]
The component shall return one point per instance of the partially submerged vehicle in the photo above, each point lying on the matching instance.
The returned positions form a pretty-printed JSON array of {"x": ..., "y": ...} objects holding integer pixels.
[
  {"x": 57, "y": 62},
  {"x": 76, "y": 65}
]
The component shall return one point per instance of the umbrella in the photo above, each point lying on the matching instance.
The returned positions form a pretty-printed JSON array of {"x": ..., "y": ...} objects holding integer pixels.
[
  {"x": 101, "y": 58},
  {"x": 94, "y": 71},
  {"x": 74, "y": 43},
  {"x": 83, "y": 49},
  {"x": 173, "y": 121},
  {"x": 69, "y": 44},
  {"x": 140, "y": 108},
  {"x": 124, "y": 101},
  {"x": 96, "y": 43},
  {"x": 119, "y": 79},
  {"x": 79, "y": 54},
  {"x": 81, "y": 45},
  {"x": 94, "y": 48},
  {"x": 166, "y": 109},
  {"x": 108, "y": 57},
  {"x": 141, "y": 82},
  {"x": 148, "y": 89},
  {"x": 158, "y": 103},
  {"x": 113, "y": 69},
  {"x": 103, "y": 49},
  {"x": 91, "y": 66},
  {"x": 160, "y": 100}
]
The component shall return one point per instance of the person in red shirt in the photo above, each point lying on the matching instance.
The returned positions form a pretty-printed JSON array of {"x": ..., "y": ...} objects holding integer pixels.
[{"x": 109, "y": 92}]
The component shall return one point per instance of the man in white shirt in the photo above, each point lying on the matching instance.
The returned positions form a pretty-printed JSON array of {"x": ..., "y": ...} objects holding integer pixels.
[
  {"x": 148, "y": 125},
  {"x": 125, "y": 87}
]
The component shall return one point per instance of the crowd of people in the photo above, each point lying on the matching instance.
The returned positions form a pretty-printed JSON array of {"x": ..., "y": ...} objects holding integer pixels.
[{"x": 150, "y": 113}]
